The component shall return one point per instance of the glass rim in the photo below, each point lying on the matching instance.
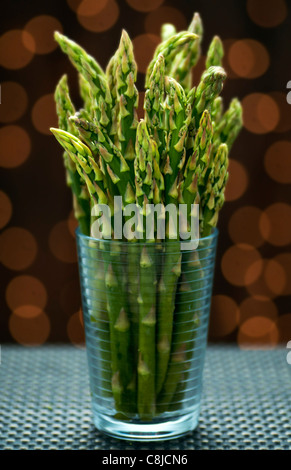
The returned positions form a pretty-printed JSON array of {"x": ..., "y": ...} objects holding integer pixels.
[{"x": 212, "y": 236}]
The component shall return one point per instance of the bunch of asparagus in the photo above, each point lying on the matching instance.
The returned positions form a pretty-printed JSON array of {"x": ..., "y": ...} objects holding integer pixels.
[{"x": 178, "y": 153}]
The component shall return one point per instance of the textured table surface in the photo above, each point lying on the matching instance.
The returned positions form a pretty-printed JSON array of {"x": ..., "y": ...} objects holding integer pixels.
[{"x": 45, "y": 402}]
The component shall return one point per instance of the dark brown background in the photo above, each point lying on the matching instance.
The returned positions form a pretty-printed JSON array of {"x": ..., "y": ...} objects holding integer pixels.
[{"x": 39, "y": 290}]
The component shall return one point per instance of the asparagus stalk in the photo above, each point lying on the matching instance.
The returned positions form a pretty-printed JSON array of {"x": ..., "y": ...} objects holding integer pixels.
[
  {"x": 181, "y": 69},
  {"x": 81, "y": 202},
  {"x": 178, "y": 130},
  {"x": 186, "y": 322},
  {"x": 154, "y": 105},
  {"x": 167, "y": 31},
  {"x": 212, "y": 198},
  {"x": 228, "y": 126},
  {"x": 169, "y": 49},
  {"x": 216, "y": 111},
  {"x": 178, "y": 125},
  {"x": 197, "y": 165},
  {"x": 85, "y": 93},
  {"x": 202, "y": 98},
  {"x": 127, "y": 96},
  {"x": 215, "y": 53},
  {"x": 94, "y": 75},
  {"x": 146, "y": 151}
]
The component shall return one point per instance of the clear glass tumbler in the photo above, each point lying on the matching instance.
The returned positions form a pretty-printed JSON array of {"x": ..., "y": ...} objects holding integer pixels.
[{"x": 146, "y": 309}]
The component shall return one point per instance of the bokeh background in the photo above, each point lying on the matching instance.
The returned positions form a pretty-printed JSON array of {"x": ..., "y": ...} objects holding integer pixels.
[{"x": 39, "y": 290}]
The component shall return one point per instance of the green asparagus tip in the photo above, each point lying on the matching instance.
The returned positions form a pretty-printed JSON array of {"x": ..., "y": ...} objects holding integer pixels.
[
  {"x": 196, "y": 25},
  {"x": 58, "y": 36},
  {"x": 215, "y": 52},
  {"x": 168, "y": 30}
]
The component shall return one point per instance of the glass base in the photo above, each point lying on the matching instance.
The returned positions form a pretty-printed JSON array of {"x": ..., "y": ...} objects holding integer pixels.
[{"x": 166, "y": 429}]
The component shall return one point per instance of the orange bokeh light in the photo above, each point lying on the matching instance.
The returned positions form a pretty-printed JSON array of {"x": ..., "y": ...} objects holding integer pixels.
[
  {"x": 284, "y": 259},
  {"x": 259, "y": 287},
  {"x": 224, "y": 316},
  {"x": 253, "y": 272},
  {"x": 284, "y": 123},
  {"x": 275, "y": 276},
  {"x": 244, "y": 227},
  {"x": 27, "y": 311},
  {"x": 13, "y": 101},
  {"x": 258, "y": 332},
  {"x": 275, "y": 224},
  {"x": 278, "y": 161},
  {"x": 42, "y": 28},
  {"x": 62, "y": 244},
  {"x": 227, "y": 45},
  {"x": 26, "y": 290},
  {"x": 253, "y": 307},
  {"x": 15, "y": 146},
  {"x": 236, "y": 264},
  {"x": 164, "y": 14},
  {"x": 75, "y": 330},
  {"x": 102, "y": 20},
  {"x": 145, "y": 5},
  {"x": 44, "y": 114},
  {"x": 5, "y": 209},
  {"x": 237, "y": 182},
  {"x": 261, "y": 113},
  {"x": 90, "y": 7},
  {"x": 30, "y": 331},
  {"x": 16, "y": 49},
  {"x": 267, "y": 13},
  {"x": 248, "y": 58},
  {"x": 18, "y": 248},
  {"x": 144, "y": 46}
]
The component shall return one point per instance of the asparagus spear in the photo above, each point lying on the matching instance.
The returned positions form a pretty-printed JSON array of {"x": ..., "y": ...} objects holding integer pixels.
[
  {"x": 167, "y": 31},
  {"x": 169, "y": 49},
  {"x": 85, "y": 92},
  {"x": 127, "y": 96},
  {"x": 212, "y": 198},
  {"x": 81, "y": 203},
  {"x": 202, "y": 98},
  {"x": 154, "y": 105},
  {"x": 178, "y": 130},
  {"x": 94, "y": 75},
  {"x": 185, "y": 329},
  {"x": 229, "y": 126},
  {"x": 216, "y": 111},
  {"x": 178, "y": 125},
  {"x": 215, "y": 53},
  {"x": 146, "y": 151},
  {"x": 181, "y": 68},
  {"x": 198, "y": 162}
]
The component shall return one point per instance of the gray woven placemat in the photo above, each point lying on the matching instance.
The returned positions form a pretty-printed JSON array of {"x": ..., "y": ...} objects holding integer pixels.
[{"x": 45, "y": 402}]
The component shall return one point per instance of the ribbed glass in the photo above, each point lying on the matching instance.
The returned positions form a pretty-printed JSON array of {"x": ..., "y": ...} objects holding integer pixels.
[{"x": 146, "y": 309}]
